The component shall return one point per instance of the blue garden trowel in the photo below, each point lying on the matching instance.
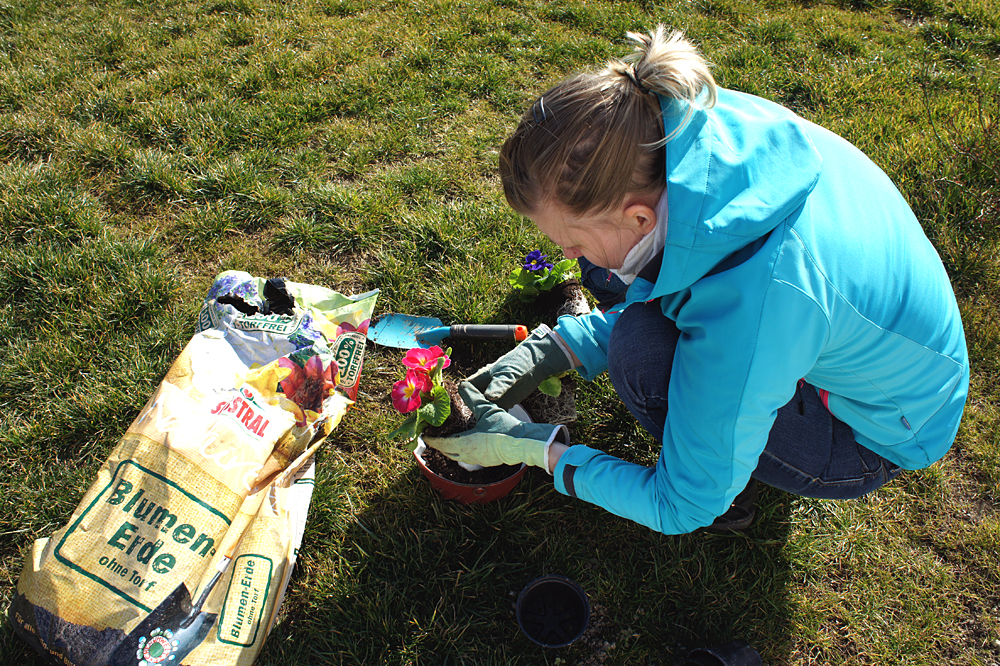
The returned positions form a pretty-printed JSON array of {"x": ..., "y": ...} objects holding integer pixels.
[{"x": 407, "y": 331}]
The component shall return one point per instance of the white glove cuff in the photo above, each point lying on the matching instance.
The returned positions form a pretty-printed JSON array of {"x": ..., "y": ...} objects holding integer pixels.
[{"x": 560, "y": 433}]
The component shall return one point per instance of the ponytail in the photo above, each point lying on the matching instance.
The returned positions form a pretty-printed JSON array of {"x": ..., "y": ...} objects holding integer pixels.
[
  {"x": 668, "y": 66},
  {"x": 596, "y": 137}
]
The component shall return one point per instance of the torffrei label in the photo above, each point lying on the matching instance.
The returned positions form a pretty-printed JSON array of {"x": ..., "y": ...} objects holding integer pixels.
[
  {"x": 283, "y": 325},
  {"x": 270, "y": 323},
  {"x": 349, "y": 352}
]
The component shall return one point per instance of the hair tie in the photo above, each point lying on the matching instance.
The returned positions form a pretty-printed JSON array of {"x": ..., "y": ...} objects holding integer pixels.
[
  {"x": 630, "y": 73},
  {"x": 539, "y": 109}
]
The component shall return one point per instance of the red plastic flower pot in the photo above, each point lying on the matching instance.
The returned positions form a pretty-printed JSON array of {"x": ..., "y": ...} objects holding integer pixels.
[{"x": 467, "y": 493}]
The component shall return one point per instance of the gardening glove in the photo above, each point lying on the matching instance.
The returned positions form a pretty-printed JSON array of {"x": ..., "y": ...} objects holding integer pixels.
[
  {"x": 513, "y": 376},
  {"x": 498, "y": 438}
]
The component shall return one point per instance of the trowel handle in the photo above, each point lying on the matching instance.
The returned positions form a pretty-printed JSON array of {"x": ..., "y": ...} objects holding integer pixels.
[{"x": 488, "y": 332}]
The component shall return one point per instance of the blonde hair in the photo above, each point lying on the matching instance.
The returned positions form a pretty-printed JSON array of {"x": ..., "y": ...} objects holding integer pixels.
[{"x": 594, "y": 138}]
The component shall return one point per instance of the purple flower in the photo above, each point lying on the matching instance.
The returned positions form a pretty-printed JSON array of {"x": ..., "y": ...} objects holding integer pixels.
[{"x": 535, "y": 261}]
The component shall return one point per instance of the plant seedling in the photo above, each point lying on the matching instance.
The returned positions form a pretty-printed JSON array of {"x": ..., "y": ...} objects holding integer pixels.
[
  {"x": 421, "y": 393},
  {"x": 536, "y": 275}
]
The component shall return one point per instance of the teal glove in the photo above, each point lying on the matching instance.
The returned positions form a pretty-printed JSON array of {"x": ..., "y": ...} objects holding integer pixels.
[
  {"x": 498, "y": 438},
  {"x": 514, "y": 376}
]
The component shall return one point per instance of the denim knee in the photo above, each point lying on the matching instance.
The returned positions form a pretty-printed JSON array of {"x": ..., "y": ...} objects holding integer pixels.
[
  {"x": 603, "y": 285},
  {"x": 811, "y": 453},
  {"x": 640, "y": 359}
]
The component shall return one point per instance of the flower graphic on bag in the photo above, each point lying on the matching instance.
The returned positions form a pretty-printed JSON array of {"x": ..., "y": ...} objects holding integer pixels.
[{"x": 157, "y": 649}]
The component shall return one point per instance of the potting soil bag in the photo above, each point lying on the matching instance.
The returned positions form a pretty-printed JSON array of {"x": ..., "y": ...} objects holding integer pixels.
[{"x": 180, "y": 551}]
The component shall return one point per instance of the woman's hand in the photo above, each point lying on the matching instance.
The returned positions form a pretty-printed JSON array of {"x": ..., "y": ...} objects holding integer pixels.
[
  {"x": 499, "y": 438},
  {"x": 520, "y": 371}
]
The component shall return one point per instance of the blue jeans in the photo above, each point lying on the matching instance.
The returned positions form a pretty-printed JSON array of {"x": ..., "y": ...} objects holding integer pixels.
[
  {"x": 809, "y": 452},
  {"x": 604, "y": 285}
]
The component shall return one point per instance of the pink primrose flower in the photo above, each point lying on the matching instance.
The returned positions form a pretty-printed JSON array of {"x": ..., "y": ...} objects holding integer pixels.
[
  {"x": 406, "y": 392},
  {"x": 425, "y": 359}
]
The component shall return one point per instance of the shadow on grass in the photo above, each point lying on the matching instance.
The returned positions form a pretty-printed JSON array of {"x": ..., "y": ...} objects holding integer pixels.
[{"x": 418, "y": 579}]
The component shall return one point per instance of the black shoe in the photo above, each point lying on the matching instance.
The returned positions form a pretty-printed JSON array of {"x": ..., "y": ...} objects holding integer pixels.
[
  {"x": 741, "y": 512},
  {"x": 736, "y": 653}
]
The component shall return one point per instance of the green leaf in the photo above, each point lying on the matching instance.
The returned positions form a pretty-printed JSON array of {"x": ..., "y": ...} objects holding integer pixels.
[
  {"x": 567, "y": 269},
  {"x": 407, "y": 427},
  {"x": 550, "y": 281},
  {"x": 437, "y": 372},
  {"x": 529, "y": 293},
  {"x": 551, "y": 386},
  {"x": 566, "y": 266},
  {"x": 437, "y": 409},
  {"x": 522, "y": 278}
]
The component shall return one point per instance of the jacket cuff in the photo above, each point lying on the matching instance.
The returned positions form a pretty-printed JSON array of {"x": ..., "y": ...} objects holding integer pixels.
[
  {"x": 565, "y": 471},
  {"x": 580, "y": 339}
]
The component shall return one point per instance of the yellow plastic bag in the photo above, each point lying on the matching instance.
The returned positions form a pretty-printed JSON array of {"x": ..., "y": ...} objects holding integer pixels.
[{"x": 181, "y": 550}]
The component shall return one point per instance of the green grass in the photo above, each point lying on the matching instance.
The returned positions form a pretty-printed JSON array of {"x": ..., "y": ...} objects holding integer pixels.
[{"x": 145, "y": 147}]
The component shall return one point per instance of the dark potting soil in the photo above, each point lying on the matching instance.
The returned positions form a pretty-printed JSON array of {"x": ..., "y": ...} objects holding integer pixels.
[
  {"x": 566, "y": 298},
  {"x": 51, "y": 635},
  {"x": 447, "y": 468},
  {"x": 460, "y": 420}
]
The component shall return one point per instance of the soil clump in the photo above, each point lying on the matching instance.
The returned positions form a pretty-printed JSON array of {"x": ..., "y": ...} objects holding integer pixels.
[
  {"x": 566, "y": 298},
  {"x": 557, "y": 410}
]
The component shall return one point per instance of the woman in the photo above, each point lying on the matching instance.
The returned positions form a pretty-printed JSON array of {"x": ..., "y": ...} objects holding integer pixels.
[{"x": 781, "y": 299}]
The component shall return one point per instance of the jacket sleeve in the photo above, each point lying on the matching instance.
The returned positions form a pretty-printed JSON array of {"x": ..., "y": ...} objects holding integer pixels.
[
  {"x": 745, "y": 341},
  {"x": 588, "y": 336}
]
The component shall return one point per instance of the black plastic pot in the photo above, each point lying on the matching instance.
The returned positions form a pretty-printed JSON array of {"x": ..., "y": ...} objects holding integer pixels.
[{"x": 553, "y": 611}]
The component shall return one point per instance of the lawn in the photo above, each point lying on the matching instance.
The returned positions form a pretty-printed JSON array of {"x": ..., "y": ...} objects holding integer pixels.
[{"x": 147, "y": 146}]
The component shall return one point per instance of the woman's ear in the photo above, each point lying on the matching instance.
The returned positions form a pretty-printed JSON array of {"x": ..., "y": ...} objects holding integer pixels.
[{"x": 640, "y": 217}]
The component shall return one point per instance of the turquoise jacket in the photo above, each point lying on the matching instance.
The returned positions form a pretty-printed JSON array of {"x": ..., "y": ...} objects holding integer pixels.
[{"x": 846, "y": 291}]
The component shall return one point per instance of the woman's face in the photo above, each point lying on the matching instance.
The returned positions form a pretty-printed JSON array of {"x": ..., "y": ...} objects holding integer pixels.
[{"x": 603, "y": 238}]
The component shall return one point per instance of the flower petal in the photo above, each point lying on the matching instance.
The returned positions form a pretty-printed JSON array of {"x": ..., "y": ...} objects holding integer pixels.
[
  {"x": 420, "y": 380},
  {"x": 404, "y": 398}
]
